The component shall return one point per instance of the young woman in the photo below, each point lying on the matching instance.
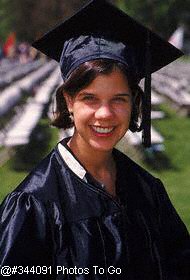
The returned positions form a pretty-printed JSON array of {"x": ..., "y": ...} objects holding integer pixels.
[{"x": 87, "y": 211}]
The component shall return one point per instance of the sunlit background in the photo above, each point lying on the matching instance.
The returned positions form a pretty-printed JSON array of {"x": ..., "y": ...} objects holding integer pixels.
[{"x": 28, "y": 81}]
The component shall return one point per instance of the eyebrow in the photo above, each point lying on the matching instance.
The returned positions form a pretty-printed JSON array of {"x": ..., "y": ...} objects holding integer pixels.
[
  {"x": 85, "y": 92},
  {"x": 117, "y": 94},
  {"x": 122, "y": 94}
]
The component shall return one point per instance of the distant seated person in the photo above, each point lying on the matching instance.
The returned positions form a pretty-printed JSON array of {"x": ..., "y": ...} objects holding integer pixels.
[
  {"x": 23, "y": 52},
  {"x": 1, "y": 53}
]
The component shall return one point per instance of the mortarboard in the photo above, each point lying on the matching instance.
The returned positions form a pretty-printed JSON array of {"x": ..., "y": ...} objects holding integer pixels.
[{"x": 100, "y": 30}]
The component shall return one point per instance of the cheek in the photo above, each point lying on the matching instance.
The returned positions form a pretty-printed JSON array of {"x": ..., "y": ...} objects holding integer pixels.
[
  {"x": 124, "y": 113},
  {"x": 82, "y": 112}
]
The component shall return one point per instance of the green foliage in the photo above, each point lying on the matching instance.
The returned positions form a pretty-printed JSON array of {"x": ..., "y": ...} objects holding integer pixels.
[
  {"x": 6, "y": 19},
  {"x": 162, "y": 16},
  {"x": 31, "y": 18}
]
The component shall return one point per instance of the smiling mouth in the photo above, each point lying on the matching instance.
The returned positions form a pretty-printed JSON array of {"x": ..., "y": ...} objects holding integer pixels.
[{"x": 102, "y": 130}]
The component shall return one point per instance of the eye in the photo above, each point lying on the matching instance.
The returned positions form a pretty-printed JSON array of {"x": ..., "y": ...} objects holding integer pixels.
[
  {"x": 89, "y": 97},
  {"x": 120, "y": 99}
]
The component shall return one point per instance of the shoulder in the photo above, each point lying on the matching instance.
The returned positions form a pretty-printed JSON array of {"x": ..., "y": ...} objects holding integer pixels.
[
  {"x": 24, "y": 228},
  {"x": 142, "y": 188},
  {"x": 43, "y": 181},
  {"x": 135, "y": 169},
  {"x": 141, "y": 184},
  {"x": 33, "y": 204},
  {"x": 20, "y": 202}
]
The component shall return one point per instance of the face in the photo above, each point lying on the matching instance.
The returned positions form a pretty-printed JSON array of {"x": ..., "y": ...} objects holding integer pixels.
[{"x": 101, "y": 111}]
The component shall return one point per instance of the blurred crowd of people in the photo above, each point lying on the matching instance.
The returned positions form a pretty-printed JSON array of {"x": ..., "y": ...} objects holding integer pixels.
[{"x": 21, "y": 51}]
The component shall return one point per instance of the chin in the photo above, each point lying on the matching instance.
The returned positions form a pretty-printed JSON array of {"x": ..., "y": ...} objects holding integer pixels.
[{"x": 102, "y": 146}]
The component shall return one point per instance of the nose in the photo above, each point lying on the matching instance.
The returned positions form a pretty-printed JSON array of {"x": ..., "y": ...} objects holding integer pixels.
[{"x": 104, "y": 111}]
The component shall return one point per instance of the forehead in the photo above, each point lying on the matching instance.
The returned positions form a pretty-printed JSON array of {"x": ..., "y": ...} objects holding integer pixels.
[{"x": 115, "y": 81}]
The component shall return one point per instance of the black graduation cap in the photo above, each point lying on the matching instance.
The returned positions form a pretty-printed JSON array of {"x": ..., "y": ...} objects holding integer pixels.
[{"x": 100, "y": 30}]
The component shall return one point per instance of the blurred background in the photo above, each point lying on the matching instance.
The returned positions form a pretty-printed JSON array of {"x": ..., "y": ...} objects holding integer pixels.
[{"x": 28, "y": 81}]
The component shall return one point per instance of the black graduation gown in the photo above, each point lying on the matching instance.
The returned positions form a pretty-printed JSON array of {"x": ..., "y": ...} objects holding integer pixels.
[{"x": 57, "y": 220}]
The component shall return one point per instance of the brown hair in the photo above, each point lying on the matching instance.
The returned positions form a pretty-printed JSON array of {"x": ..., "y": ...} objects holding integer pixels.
[{"x": 82, "y": 77}]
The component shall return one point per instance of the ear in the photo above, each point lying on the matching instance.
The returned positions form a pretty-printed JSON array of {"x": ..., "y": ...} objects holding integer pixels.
[{"x": 69, "y": 101}]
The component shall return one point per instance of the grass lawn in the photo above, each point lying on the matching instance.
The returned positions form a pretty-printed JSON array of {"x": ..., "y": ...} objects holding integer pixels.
[
  {"x": 175, "y": 169},
  {"x": 10, "y": 178},
  {"x": 172, "y": 166}
]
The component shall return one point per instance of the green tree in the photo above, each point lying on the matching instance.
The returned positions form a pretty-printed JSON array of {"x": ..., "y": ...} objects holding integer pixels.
[
  {"x": 162, "y": 16},
  {"x": 31, "y": 18},
  {"x": 5, "y": 19}
]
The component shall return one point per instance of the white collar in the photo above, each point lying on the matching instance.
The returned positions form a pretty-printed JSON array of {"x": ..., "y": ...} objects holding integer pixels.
[{"x": 72, "y": 163}]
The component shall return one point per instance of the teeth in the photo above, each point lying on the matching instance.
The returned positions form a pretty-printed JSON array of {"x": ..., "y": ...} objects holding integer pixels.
[{"x": 102, "y": 129}]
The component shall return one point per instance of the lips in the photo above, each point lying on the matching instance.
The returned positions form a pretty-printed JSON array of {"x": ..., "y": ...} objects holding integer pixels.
[{"x": 102, "y": 130}]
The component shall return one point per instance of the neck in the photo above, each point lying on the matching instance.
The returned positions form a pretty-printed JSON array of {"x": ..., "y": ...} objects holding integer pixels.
[{"x": 100, "y": 164}]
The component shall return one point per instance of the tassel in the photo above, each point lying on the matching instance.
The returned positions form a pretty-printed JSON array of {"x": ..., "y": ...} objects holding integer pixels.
[{"x": 146, "y": 105}]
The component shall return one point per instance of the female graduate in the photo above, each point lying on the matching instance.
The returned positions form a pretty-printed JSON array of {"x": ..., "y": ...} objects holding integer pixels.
[{"x": 87, "y": 211}]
